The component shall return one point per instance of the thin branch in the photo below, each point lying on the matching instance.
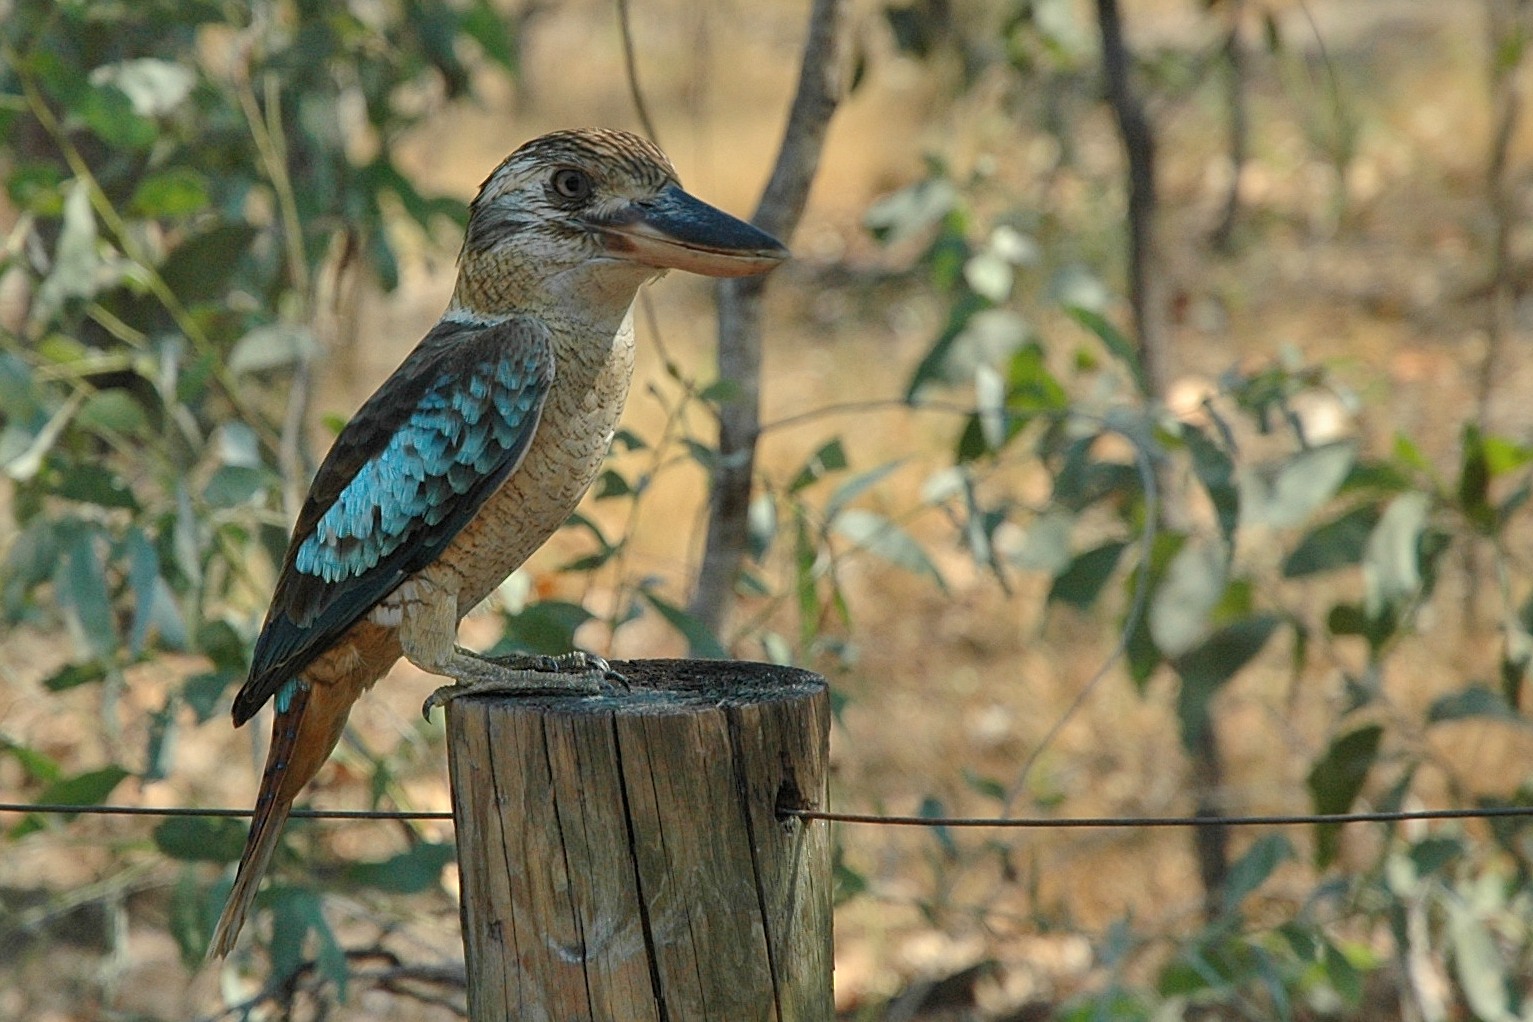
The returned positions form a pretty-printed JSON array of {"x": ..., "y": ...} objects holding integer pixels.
[
  {"x": 1222, "y": 236},
  {"x": 1145, "y": 285},
  {"x": 739, "y": 304},
  {"x": 631, "y": 66}
]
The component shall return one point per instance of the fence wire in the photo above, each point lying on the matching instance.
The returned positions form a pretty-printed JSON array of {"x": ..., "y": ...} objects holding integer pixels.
[{"x": 871, "y": 819}]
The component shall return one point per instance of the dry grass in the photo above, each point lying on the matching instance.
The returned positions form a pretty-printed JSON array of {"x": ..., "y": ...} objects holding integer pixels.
[{"x": 972, "y": 679}]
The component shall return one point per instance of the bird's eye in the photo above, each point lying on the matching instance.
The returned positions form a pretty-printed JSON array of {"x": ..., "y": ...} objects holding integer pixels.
[{"x": 571, "y": 184}]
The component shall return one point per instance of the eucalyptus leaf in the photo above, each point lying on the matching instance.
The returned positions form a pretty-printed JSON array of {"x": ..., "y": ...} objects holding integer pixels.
[
  {"x": 857, "y": 485},
  {"x": 1391, "y": 558},
  {"x": 76, "y": 270},
  {"x": 1475, "y": 701},
  {"x": 1081, "y": 582},
  {"x": 154, "y": 87},
  {"x": 1337, "y": 778},
  {"x": 80, "y": 585},
  {"x": 1479, "y": 965},
  {"x": 1253, "y": 868},
  {"x": 411, "y": 872},
  {"x": 1180, "y": 615},
  {"x": 272, "y": 346},
  {"x": 878, "y": 535},
  {"x": 1287, "y": 493},
  {"x": 1207, "y": 667},
  {"x": 700, "y": 641},
  {"x": 201, "y": 839}
]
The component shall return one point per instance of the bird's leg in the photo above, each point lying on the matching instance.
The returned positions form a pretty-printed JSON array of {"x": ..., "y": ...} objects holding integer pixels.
[{"x": 428, "y": 630}]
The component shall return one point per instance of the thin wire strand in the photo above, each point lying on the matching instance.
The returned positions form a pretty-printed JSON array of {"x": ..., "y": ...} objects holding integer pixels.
[
  {"x": 1083, "y": 822},
  {"x": 48, "y": 808},
  {"x": 1022, "y": 823}
]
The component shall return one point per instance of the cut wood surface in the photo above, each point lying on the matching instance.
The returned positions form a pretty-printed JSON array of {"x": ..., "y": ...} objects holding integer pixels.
[{"x": 623, "y": 857}]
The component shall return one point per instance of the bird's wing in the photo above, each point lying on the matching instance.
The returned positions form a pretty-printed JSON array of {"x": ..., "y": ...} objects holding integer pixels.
[{"x": 411, "y": 468}]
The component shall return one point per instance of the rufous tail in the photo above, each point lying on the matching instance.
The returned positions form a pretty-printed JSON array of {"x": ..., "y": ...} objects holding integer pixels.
[{"x": 272, "y": 805}]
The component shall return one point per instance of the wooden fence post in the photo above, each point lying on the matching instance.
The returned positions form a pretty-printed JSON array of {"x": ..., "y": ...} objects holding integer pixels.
[{"x": 623, "y": 859}]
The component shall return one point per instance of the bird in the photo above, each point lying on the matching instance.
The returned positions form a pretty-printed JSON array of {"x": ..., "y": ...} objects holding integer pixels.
[{"x": 473, "y": 452}]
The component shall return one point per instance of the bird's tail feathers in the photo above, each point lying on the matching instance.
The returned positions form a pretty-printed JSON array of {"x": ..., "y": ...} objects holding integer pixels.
[{"x": 272, "y": 806}]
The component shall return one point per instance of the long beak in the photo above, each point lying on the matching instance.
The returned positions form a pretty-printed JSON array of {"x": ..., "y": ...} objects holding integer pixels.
[{"x": 674, "y": 231}]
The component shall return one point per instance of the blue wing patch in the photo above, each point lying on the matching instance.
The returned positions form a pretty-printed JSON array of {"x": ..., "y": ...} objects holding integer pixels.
[
  {"x": 408, "y": 472},
  {"x": 458, "y": 434}
]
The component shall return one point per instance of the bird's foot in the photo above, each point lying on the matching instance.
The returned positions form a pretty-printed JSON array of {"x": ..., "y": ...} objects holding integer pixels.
[{"x": 575, "y": 672}]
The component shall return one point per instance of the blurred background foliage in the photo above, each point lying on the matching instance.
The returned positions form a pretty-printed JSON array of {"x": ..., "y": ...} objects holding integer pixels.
[{"x": 1067, "y": 584}]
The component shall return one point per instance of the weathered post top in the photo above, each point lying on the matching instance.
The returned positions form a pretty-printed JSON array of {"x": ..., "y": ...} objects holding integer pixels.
[{"x": 623, "y": 857}]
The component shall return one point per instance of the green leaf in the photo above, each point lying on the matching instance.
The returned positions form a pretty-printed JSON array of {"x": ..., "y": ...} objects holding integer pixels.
[
  {"x": 831, "y": 457},
  {"x": 609, "y": 484},
  {"x": 1336, "y": 780},
  {"x": 700, "y": 641},
  {"x": 204, "y": 693},
  {"x": 721, "y": 391},
  {"x": 1343, "y": 973},
  {"x": 857, "y": 485},
  {"x": 932, "y": 366},
  {"x": 411, "y": 872},
  {"x": 876, "y": 534},
  {"x": 1081, "y": 583},
  {"x": 761, "y": 525},
  {"x": 234, "y": 485},
  {"x": 1474, "y": 481},
  {"x": 80, "y": 585},
  {"x": 37, "y": 766},
  {"x": 931, "y": 808},
  {"x": 546, "y": 627},
  {"x": 95, "y": 484},
  {"x": 1181, "y": 613},
  {"x": 1112, "y": 338},
  {"x": 272, "y": 346},
  {"x": 628, "y": 440},
  {"x": 201, "y": 839},
  {"x": 296, "y": 912},
  {"x": 1338, "y": 543},
  {"x": 76, "y": 261},
  {"x": 186, "y": 919},
  {"x": 911, "y": 210},
  {"x": 143, "y": 580},
  {"x": 1216, "y": 472},
  {"x": 84, "y": 789},
  {"x": 199, "y": 269},
  {"x": 113, "y": 410},
  {"x": 1287, "y": 493},
  {"x": 154, "y": 87},
  {"x": 1479, "y": 965},
  {"x": 1392, "y": 557},
  {"x": 36, "y": 187},
  {"x": 1434, "y": 854},
  {"x": 1473, "y": 701},
  {"x": 1205, "y": 669},
  {"x": 109, "y": 113},
  {"x": 75, "y": 675},
  {"x": 179, "y": 191},
  {"x": 483, "y": 24},
  {"x": 987, "y": 787},
  {"x": 845, "y": 881},
  {"x": 1253, "y": 868},
  {"x": 222, "y": 644}
]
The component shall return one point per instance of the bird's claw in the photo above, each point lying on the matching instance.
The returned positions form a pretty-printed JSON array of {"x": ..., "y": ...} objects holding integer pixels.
[{"x": 531, "y": 674}]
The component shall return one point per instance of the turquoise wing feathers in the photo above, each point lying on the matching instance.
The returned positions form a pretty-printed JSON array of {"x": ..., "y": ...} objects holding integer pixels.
[{"x": 408, "y": 472}]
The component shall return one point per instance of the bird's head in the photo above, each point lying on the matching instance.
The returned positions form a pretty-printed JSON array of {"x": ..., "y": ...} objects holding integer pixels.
[{"x": 587, "y": 216}]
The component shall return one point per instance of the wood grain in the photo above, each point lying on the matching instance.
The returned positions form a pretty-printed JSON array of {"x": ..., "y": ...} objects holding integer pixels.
[{"x": 622, "y": 856}]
